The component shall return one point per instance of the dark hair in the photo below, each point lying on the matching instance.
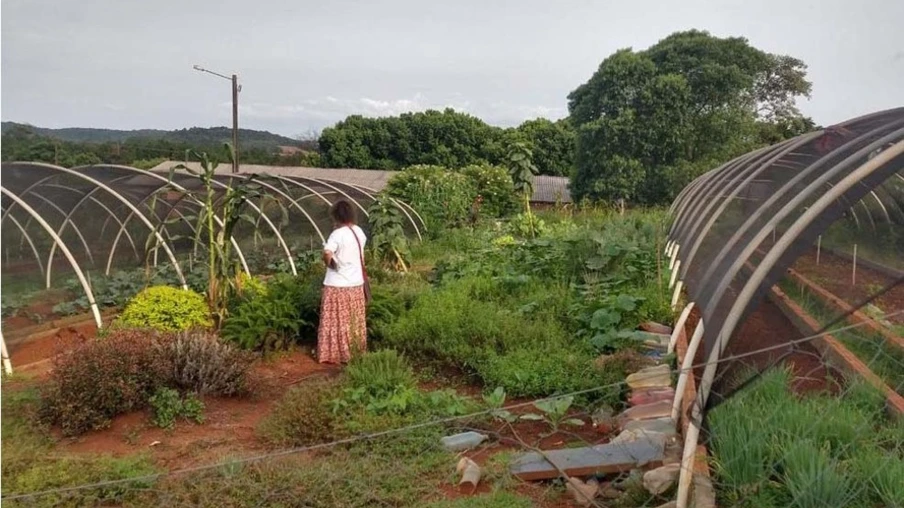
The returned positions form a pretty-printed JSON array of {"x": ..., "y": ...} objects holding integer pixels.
[{"x": 342, "y": 212}]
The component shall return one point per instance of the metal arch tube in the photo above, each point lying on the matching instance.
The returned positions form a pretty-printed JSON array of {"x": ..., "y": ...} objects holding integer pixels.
[
  {"x": 31, "y": 244},
  {"x": 887, "y": 200},
  {"x": 266, "y": 219},
  {"x": 784, "y": 190},
  {"x": 686, "y": 369},
  {"x": 110, "y": 214},
  {"x": 755, "y": 170},
  {"x": 65, "y": 250},
  {"x": 294, "y": 181},
  {"x": 777, "y": 250},
  {"x": 122, "y": 229},
  {"x": 682, "y": 194},
  {"x": 676, "y": 294},
  {"x": 754, "y": 282},
  {"x": 289, "y": 198},
  {"x": 375, "y": 191},
  {"x": 184, "y": 190},
  {"x": 868, "y": 214},
  {"x": 329, "y": 183},
  {"x": 395, "y": 201},
  {"x": 675, "y": 272},
  {"x": 729, "y": 177},
  {"x": 33, "y": 185},
  {"x": 703, "y": 188},
  {"x": 186, "y": 193},
  {"x": 7, "y": 365},
  {"x": 679, "y": 325},
  {"x": 144, "y": 219},
  {"x": 60, "y": 232}
]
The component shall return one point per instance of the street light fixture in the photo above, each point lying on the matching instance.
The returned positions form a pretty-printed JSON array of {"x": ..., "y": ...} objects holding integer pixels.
[{"x": 236, "y": 88}]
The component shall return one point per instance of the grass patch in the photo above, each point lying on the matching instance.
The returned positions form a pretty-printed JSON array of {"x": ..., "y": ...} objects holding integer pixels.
[
  {"x": 773, "y": 449},
  {"x": 29, "y": 464},
  {"x": 885, "y": 359}
]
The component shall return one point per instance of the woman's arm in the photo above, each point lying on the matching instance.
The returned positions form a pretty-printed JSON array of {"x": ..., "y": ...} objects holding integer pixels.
[{"x": 328, "y": 259}]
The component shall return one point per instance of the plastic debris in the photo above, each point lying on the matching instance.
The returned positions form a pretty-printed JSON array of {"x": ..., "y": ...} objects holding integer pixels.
[
  {"x": 583, "y": 492},
  {"x": 469, "y": 470},
  {"x": 463, "y": 441},
  {"x": 661, "y": 479}
]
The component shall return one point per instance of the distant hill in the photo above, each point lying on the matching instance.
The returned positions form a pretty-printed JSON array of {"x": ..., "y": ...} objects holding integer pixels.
[{"x": 196, "y": 136}]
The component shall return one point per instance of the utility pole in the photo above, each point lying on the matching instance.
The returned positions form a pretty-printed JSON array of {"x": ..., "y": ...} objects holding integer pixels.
[
  {"x": 236, "y": 88},
  {"x": 235, "y": 123}
]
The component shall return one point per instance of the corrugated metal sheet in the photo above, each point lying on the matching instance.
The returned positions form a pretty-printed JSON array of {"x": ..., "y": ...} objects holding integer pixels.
[{"x": 547, "y": 189}]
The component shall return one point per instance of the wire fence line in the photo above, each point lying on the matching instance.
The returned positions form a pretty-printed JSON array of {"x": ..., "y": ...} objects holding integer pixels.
[{"x": 404, "y": 429}]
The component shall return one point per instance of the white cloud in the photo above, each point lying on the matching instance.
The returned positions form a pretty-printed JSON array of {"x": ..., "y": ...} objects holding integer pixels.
[{"x": 330, "y": 109}]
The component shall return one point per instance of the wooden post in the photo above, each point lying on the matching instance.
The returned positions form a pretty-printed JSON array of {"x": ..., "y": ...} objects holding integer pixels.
[
  {"x": 235, "y": 123},
  {"x": 854, "y": 268},
  {"x": 818, "y": 248}
]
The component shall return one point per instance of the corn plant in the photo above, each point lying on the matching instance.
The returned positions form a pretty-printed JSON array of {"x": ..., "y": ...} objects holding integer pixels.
[{"x": 221, "y": 209}]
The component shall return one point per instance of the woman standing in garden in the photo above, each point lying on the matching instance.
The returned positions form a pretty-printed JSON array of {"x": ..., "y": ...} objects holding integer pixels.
[{"x": 345, "y": 289}]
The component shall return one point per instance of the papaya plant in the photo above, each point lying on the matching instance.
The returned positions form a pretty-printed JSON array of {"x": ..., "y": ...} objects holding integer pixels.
[{"x": 388, "y": 243}]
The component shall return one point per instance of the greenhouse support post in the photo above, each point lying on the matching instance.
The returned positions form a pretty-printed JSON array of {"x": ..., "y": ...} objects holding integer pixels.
[
  {"x": 686, "y": 369},
  {"x": 679, "y": 325},
  {"x": 692, "y": 435},
  {"x": 7, "y": 365},
  {"x": 677, "y": 294},
  {"x": 818, "y": 248},
  {"x": 674, "y": 276},
  {"x": 854, "y": 267}
]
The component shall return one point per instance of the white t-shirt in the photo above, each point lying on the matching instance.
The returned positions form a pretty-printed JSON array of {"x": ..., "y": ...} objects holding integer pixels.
[{"x": 348, "y": 258}]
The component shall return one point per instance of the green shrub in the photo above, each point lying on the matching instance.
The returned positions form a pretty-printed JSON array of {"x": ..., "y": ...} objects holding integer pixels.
[
  {"x": 442, "y": 197},
  {"x": 168, "y": 405},
  {"x": 202, "y": 364},
  {"x": 166, "y": 309},
  {"x": 272, "y": 319},
  {"x": 102, "y": 378},
  {"x": 380, "y": 373},
  {"x": 303, "y": 416},
  {"x": 494, "y": 185}
]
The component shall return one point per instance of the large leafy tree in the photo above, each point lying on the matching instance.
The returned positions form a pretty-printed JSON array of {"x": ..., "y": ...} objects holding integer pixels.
[
  {"x": 649, "y": 121},
  {"x": 444, "y": 138},
  {"x": 552, "y": 144}
]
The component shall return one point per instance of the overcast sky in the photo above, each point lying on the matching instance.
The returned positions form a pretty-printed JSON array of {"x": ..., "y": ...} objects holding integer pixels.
[{"x": 307, "y": 64}]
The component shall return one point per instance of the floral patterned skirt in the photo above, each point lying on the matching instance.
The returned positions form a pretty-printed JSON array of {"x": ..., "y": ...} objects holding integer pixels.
[{"x": 343, "y": 330}]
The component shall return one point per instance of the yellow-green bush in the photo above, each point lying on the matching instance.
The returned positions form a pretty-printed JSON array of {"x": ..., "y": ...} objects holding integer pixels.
[{"x": 166, "y": 309}]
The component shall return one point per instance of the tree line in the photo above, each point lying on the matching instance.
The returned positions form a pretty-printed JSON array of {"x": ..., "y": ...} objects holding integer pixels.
[
  {"x": 26, "y": 143},
  {"x": 643, "y": 125}
]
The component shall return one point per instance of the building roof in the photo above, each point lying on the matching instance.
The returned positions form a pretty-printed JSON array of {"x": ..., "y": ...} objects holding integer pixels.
[{"x": 547, "y": 189}]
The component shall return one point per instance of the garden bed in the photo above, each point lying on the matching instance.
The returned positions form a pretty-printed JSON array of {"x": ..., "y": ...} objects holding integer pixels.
[{"x": 532, "y": 316}]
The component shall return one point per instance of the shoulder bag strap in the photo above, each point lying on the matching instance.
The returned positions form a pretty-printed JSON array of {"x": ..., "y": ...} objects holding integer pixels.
[{"x": 360, "y": 252}]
